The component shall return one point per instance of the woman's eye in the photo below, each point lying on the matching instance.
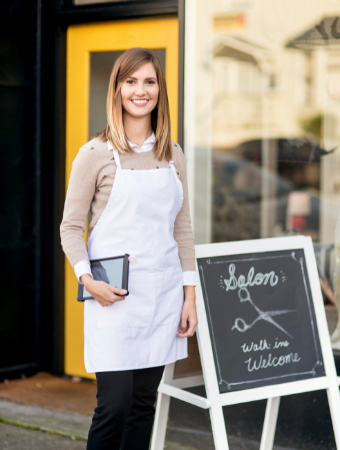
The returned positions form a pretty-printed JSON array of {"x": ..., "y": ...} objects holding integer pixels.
[{"x": 150, "y": 82}]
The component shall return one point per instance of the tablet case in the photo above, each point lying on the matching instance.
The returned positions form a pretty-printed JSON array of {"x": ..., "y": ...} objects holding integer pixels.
[{"x": 99, "y": 274}]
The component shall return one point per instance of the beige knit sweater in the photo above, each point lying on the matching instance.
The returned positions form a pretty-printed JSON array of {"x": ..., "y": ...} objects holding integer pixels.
[{"x": 89, "y": 188}]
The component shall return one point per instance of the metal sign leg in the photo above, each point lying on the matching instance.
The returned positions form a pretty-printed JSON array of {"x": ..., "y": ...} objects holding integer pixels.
[
  {"x": 334, "y": 406},
  {"x": 269, "y": 426},
  {"x": 162, "y": 412},
  {"x": 161, "y": 419},
  {"x": 218, "y": 427}
]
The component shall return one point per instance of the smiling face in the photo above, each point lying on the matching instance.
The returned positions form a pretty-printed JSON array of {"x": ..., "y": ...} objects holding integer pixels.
[
  {"x": 140, "y": 92},
  {"x": 137, "y": 103}
]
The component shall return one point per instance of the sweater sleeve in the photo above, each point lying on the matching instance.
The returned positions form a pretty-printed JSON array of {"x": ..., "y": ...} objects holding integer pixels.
[
  {"x": 182, "y": 230},
  {"x": 80, "y": 192}
]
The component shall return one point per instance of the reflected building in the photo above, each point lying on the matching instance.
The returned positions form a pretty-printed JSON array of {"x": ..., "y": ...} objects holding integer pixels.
[{"x": 266, "y": 114}]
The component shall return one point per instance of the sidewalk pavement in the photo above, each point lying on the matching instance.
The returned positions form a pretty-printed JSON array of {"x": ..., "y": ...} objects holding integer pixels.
[
  {"x": 72, "y": 395},
  {"x": 18, "y": 438},
  {"x": 63, "y": 423},
  {"x": 58, "y": 411},
  {"x": 27, "y": 427}
]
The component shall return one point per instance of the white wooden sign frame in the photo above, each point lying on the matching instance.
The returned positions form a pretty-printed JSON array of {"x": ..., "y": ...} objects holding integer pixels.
[{"x": 272, "y": 393}]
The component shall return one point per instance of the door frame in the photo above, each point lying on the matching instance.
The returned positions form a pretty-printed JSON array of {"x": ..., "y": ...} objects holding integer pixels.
[{"x": 81, "y": 40}]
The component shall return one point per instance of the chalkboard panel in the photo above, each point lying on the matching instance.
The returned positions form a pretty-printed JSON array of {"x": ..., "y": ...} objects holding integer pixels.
[{"x": 261, "y": 319}]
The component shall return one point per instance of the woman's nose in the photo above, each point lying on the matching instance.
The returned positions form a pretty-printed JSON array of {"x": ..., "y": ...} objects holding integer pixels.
[{"x": 140, "y": 89}]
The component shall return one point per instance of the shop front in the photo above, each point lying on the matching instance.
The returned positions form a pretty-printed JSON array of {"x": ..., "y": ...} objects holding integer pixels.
[
  {"x": 261, "y": 124},
  {"x": 254, "y": 92},
  {"x": 255, "y": 103}
]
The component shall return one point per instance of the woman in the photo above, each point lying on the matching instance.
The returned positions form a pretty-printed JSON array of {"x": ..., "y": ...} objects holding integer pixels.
[{"x": 132, "y": 179}]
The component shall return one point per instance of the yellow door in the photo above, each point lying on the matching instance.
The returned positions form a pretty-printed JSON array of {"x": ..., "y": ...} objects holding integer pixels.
[{"x": 91, "y": 51}]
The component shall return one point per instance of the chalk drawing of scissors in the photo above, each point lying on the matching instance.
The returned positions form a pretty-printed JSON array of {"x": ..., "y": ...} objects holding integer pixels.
[{"x": 242, "y": 326}]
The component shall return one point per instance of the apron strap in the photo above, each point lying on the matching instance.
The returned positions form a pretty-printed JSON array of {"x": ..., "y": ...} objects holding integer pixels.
[
  {"x": 117, "y": 159},
  {"x": 173, "y": 168}
]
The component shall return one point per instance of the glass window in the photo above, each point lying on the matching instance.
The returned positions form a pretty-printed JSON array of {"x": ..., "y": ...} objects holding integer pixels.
[
  {"x": 266, "y": 118},
  {"x": 262, "y": 122}
]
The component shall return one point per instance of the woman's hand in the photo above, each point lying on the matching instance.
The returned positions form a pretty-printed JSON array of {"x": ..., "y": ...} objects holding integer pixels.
[
  {"x": 101, "y": 291},
  {"x": 189, "y": 316}
]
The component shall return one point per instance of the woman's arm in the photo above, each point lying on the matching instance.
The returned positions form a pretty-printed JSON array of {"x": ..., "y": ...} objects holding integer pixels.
[
  {"x": 182, "y": 229},
  {"x": 189, "y": 315},
  {"x": 186, "y": 251},
  {"x": 80, "y": 192}
]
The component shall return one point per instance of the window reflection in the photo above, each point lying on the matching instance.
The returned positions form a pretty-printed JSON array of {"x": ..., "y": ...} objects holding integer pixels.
[
  {"x": 283, "y": 185},
  {"x": 267, "y": 140}
]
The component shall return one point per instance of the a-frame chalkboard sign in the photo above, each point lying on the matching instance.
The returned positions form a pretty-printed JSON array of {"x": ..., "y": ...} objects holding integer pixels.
[{"x": 262, "y": 334}]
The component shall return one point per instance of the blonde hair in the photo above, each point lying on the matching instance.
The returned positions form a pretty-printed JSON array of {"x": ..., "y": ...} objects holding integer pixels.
[{"x": 123, "y": 68}]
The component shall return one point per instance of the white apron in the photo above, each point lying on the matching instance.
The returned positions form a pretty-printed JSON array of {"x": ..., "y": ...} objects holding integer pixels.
[{"x": 140, "y": 331}]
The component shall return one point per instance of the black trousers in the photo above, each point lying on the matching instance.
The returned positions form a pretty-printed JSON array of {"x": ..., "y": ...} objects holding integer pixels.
[{"x": 125, "y": 410}]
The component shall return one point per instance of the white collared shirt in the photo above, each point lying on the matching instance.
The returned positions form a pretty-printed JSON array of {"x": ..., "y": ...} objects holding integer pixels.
[{"x": 147, "y": 145}]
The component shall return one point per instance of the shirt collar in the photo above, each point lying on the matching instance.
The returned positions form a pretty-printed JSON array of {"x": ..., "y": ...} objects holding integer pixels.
[{"x": 150, "y": 140}]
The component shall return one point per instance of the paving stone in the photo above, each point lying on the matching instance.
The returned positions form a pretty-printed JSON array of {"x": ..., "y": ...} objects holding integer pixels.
[
  {"x": 17, "y": 438},
  {"x": 46, "y": 419}
]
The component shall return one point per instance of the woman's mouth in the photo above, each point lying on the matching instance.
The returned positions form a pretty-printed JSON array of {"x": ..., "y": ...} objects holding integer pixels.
[{"x": 140, "y": 103}]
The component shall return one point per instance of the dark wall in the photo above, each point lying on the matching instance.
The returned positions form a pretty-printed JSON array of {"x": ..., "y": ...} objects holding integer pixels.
[
  {"x": 29, "y": 307},
  {"x": 18, "y": 237}
]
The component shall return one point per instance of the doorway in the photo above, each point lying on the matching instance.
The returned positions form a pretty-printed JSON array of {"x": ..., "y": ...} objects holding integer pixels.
[{"x": 91, "y": 52}]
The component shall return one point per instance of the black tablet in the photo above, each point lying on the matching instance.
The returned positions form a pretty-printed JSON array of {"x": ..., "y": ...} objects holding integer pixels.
[{"x": 114, "y": 271}]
